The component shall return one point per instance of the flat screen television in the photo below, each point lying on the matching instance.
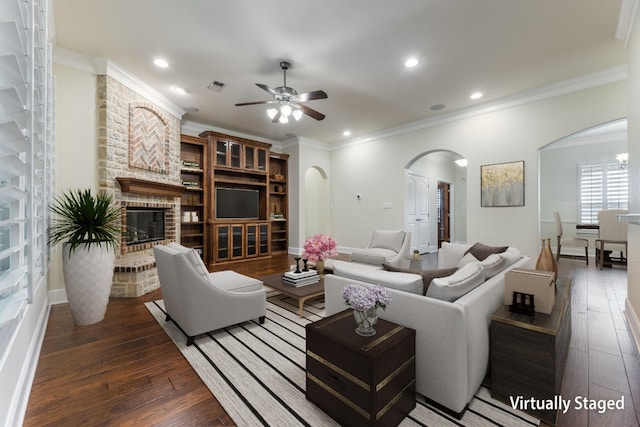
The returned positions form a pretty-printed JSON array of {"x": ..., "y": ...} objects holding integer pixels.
[{"x": 237, "y": 203}]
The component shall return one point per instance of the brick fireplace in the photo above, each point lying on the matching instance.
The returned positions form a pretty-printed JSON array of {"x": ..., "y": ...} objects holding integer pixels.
[{"x": 139, "y": 164}]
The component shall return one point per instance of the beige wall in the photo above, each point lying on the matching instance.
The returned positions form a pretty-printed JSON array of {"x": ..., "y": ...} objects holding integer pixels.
[
  {"x": 376, "y": 168},
  {"x": 632, "y": 311},
  {"x": 75, "y": 139}
]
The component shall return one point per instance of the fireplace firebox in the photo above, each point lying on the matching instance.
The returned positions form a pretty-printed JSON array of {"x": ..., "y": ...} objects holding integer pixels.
[{"x": 145, "y": 225}]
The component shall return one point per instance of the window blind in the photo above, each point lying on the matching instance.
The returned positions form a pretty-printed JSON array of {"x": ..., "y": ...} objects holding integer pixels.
[
  {"x": 25, "y": 150},
  {"x": 603, "y": 185}
]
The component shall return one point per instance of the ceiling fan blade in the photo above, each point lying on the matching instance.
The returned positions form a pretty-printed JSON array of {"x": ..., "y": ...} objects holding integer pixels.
[
  {"x": 310, "y": 96},
  {"x": 276, "y": 118},
  {"x": 311, "y": 112},
  {"x": 267, "y": 88},
  {"x": 255, "y": 103}
]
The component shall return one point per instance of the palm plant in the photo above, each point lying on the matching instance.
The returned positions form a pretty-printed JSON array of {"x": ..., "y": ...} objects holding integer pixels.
[{"x": 82, "y": 219}]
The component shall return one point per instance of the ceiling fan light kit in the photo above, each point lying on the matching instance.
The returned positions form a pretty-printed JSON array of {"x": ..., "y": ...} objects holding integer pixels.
[{"x": 288, "y": 101}]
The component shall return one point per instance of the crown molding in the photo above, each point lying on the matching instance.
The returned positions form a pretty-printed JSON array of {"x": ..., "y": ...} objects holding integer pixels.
[
  {"x": 109, "y": 68},
  {"x": 78, "y": 61},
  {"x": 626, "y": 19},
  {"x": 587, "y": 81},
  {"x": 195, "y": 129}
]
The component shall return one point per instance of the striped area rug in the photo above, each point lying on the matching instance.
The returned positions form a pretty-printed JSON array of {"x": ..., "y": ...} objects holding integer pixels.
[{"x": 257, "y": 373}]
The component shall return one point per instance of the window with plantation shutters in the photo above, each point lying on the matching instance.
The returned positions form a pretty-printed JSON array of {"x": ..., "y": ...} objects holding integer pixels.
[
  {"x": 26, "y": 153},
  {"x": 603, "y": 185}
]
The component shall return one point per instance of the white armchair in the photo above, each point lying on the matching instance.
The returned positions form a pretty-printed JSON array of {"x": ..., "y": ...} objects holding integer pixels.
[
  {"x": 612, "y": 236},
  {"x": 199, "y": 301},
  {"x": 386, "y": 246}
]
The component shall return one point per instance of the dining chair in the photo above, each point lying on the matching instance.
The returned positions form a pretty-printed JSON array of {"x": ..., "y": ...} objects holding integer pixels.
[
  {"x": 570, "y": 242},
  {"x": 612, "y": 237}
]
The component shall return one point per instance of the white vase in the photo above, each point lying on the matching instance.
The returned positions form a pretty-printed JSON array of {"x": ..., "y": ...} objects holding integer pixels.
[{"x": 88, "y": 275}]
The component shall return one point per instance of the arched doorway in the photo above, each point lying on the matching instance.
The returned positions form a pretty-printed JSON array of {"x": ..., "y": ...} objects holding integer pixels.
[
  {"x": 316, "y": 202},
  {"x": 561, "y": 167},
  {"x": 435, "y": 199}
]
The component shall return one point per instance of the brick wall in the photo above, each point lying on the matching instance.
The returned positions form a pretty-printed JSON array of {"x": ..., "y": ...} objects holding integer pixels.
[{"x": 136, "y": 139}]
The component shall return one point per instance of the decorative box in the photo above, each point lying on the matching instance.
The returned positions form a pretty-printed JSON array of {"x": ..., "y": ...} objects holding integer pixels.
[{"x": 538, "y": 283}]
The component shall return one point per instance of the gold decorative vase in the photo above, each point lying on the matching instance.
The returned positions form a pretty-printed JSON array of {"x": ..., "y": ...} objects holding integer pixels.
[{"x": 546, "y": 260}]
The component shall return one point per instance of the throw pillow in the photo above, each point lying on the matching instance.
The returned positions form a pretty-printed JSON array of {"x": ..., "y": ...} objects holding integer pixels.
[
  {"x": 482, "y": 251},
  {"x": 450, "y": 254},
  {"x": 452, "y": 287},
  {"x": 387, "y": 239},
  {"x": 427, "y": 275}
]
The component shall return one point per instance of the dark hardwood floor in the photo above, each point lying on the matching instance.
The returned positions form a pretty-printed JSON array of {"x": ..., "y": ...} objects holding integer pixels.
[{"x": 126, "y": 371}]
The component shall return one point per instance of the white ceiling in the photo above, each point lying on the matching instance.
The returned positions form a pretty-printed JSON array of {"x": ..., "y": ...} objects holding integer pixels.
[{"x": 353, "y": 50}]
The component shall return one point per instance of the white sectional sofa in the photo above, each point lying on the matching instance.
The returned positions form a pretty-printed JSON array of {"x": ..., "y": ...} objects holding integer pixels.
[{"x": 452, "y": 336}]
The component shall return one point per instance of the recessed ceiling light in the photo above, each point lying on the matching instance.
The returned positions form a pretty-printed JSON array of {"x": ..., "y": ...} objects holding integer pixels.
[
  {"x": 411, "y": 62},
  {"x": 476, "y": 95},
  {"x": 437, "y": 107},
  {"x": 180, "y": 90},
  {"x": 159, "y": 62},
  {"x": 346, "y": 133}
]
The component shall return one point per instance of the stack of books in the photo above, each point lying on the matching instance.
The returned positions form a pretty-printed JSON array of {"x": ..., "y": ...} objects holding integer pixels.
[{"x": 300, "y": 279}]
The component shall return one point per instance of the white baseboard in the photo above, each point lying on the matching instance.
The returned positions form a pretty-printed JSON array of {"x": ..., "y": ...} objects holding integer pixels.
[
  {"x": 634, "y": 324},
  {"x": 58, "y": 296},
  {"x": 28, "y": 372}
]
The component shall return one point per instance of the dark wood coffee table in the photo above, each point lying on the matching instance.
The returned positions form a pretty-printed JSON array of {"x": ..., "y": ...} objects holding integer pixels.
[{"x": 301, "y": 293}]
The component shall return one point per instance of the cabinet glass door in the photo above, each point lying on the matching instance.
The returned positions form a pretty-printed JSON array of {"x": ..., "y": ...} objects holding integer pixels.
[
  {"x": 249, "y": 161},
  {"x": 262, "y": 159},
  {"x": 222, "y": 239},
  {"x": 264, "y": 239},
  {"x": 252, "y": 240},
  {"x": 221, "y": 153},
  {"x": 236, "y": 241},
  {"x": 235, "y": 153}
]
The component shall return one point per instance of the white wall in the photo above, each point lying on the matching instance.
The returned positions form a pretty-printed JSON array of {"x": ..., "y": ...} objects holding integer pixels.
[
  {"x": 376, "y": 168},
  {"x": 632, "y": 310},
  {"x": 76, "y": 143},
  {"x": 310, "y": 154}
]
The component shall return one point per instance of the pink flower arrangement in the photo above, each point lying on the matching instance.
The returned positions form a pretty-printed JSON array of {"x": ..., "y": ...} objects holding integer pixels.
[{"x": 319, "y": 247}]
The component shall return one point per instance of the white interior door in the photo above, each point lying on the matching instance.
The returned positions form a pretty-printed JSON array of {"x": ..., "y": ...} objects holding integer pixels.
[{"x": 417, "y": 211}]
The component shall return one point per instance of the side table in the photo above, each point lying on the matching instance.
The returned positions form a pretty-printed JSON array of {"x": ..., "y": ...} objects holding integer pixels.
[
  {"x": 529, "y": 353},
  {"x": 361, "y": 381}
]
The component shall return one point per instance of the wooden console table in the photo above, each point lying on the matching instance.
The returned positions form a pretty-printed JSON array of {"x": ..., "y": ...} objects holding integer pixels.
[{"x": 528, "y": 354}]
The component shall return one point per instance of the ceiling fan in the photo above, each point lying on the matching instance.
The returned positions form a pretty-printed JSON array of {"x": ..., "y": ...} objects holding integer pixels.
[{"x": 289, "y": 101}]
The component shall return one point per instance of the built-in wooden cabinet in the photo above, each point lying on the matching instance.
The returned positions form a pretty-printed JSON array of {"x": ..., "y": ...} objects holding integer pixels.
[
  {"x": 214, "y": 164},
  {"x": 194, "y": 206},
  {"x": 278, "y": 202}
]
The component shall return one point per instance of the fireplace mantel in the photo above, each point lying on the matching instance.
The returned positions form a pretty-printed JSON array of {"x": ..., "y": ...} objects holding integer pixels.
[{"x": 149, "y": 188}]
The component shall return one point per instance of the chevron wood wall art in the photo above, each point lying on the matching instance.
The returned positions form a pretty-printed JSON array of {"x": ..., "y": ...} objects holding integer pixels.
[{"x": 148, "y": 140}]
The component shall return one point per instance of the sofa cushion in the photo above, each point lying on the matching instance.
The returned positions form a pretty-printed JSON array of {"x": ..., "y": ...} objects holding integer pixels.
[
  {"x": 481, "y": 251},
  {"x": 427, "y": 275},
  {"x": 387, "y": 239},
  {"x": 450, "y": 254},
  {"x": 452, "y": 287},
  {"x": 375, "y": 256},
  {"x": 408, "y": 282},
  {"x": 231, "y": 281},
  {"x": 510, "y": 256},
  {"x": 492, "y": 265}
]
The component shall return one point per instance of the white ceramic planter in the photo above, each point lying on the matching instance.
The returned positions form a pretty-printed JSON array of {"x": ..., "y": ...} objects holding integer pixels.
[{"x": 88, "y": 275}]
